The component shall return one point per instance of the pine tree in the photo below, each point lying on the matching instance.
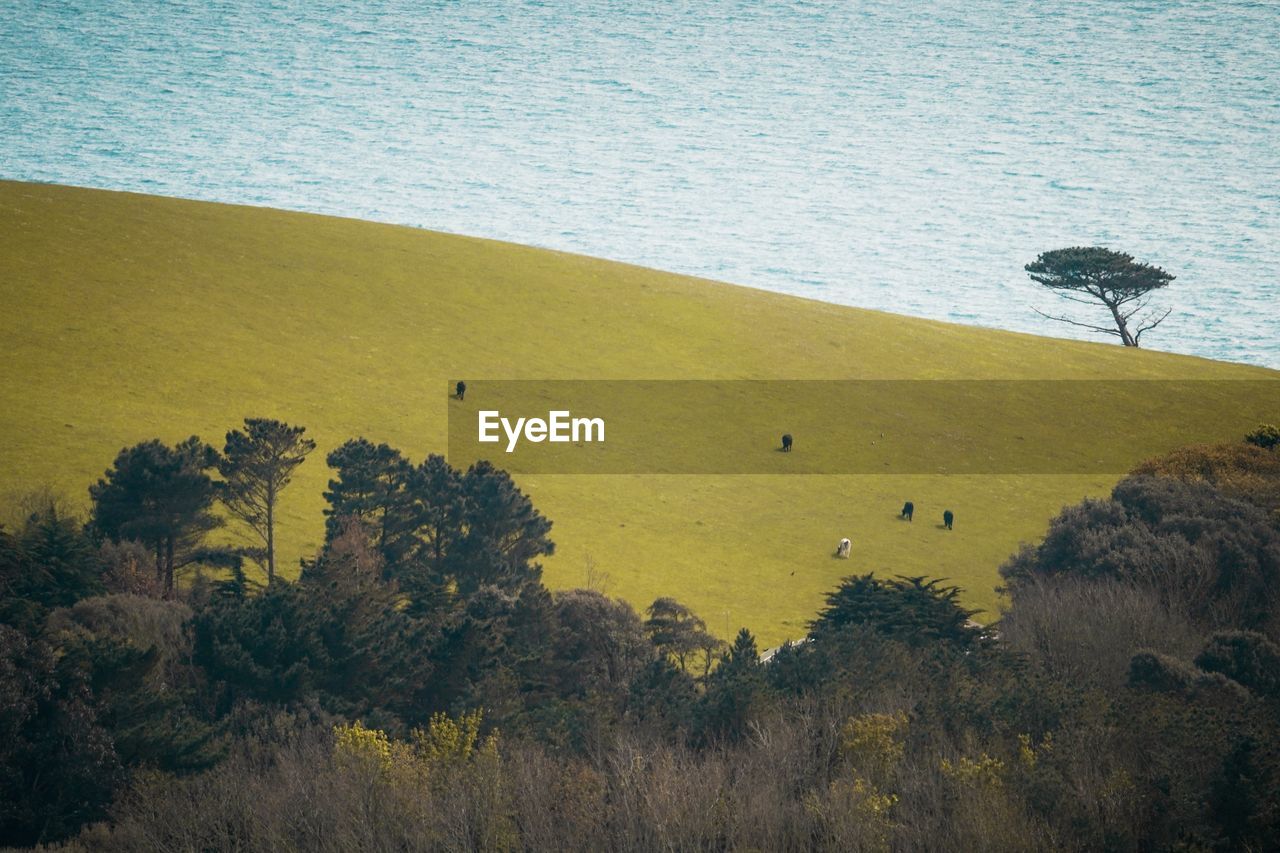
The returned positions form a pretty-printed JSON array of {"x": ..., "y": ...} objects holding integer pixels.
[
  {"x": 62, "y": 559},
  {"x": 436, "y": 528},
  {"x": 159, "y": 496},
  {"x": 503, "y": 534},
  {"x": 371, "y": 486},
  {"x": 1093, "y": 275},
  {"x": 912, "y": 610},
  {"x": 732, "y": 690},
  {"x": 256, "y": 465},
  {"x": 679, "y": 632}
]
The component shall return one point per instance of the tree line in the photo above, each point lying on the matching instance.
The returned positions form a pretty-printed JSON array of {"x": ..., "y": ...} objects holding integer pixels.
[{"x": 419, "y": 688}]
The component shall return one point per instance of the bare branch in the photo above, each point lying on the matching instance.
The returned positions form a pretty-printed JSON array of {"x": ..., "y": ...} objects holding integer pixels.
[
  {"x": 1102, "y": 329},
  {"x": 1151, "y": 325},
  {"x": 1137, "y": 309}
]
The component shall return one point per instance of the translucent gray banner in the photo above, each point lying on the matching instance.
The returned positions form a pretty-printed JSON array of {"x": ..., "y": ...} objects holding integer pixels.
[{"x": 845, "y": 426}]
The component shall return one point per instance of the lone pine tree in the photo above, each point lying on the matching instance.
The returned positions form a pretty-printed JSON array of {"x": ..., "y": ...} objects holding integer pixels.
[{"x": 1092, "y": 275}]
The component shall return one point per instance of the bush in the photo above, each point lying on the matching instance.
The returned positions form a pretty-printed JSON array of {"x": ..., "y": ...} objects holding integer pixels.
[
  {"x": 129, "y": 569},
  {"x": 1153, "y": 671},
  {"x": 1266, "y": 436},
  {"x": 1246, "y": 657},
  {"x": 1211, "y": 557},
  {"x": 1246, "y": 472}
]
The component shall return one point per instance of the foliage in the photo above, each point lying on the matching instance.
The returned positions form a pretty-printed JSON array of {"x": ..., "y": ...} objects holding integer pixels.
[
  {"x": 504, "y": 533},
  {"x": 436, "y": 527},
  {"x": 662, "y": 698},
  {"x": 160, "y": 496},
  {"x": 734, "y": 691},
  {"x": 1246, "y": 657},
  {"x": 256, "y": 464},
  {"x": 349, "y": 648},
  {"x": 1078, "y": 721},
  {"x": 127, "y": 569},
  {"x": 599, "y": 647},
  {"x": 1266, "y": 436},
  {"x": 1092, "y": 275},
  {"x": 448, "y": 741},
  {"x": 49, "y": 563},
  {"x": 57, "y": 765},
  {"x": 873, "y": 744},
  {"x": 368, "y": 748},
  {"x": 370, "y": 487},
  {"x": 858, "y": 811},
  {"x": 135, "y": 655},
  {"x": 1086, "y": 630},
  {"x": 1242, "y": 797},
  {"x": 912, "y": 610},
  {"x": 439, "y": 763},
  {"x": 1153, "y": 671},
  {"x": 855, "y": 816},
  {"x": 1244, "y": 472},
  {"x": 1212, "y": 557},
  {"x": 680, "y": 633}
]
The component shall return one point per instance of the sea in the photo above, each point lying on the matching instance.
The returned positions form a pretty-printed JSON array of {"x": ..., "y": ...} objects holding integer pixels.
[{"x": 904, "y": 156}]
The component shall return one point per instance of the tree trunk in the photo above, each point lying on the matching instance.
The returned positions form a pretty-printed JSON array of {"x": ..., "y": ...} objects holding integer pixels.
[
  {"x": 271, "y": 539},
  {"x": 1121, "y": 326},
  {"x": 168, "y": 566}
]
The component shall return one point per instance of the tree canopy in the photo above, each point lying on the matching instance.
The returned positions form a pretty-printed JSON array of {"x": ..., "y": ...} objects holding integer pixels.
[
  {"x": 913, "y": 610},
  {"x": 679, "y": 632},
  {"x": 435, "y": 526},
  {"x": 256, "y": 464},
  {"x": 160, "y": 496},
  {"x": 1129, "y": 697}
]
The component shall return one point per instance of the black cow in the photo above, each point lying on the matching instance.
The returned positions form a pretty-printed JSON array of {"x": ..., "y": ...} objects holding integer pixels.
[
  {"x": 786, "y": 443},
  {"x": 947, "y": 518},
  {"x": 908, "y": 510},
  {"x": 461, "y": 388}
]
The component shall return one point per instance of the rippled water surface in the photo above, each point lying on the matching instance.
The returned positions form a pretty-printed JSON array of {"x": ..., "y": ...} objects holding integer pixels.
[{"x": 904, "y": 156}]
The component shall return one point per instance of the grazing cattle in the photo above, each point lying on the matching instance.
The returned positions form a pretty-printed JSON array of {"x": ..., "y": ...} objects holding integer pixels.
[
  {"x": 842, "y": 549},
  {"x": 908, "y": 510},
  {"x": 461, "y": 388},
  {"x": 947, "y": 518},
  {"x": 786, "y": 443}
]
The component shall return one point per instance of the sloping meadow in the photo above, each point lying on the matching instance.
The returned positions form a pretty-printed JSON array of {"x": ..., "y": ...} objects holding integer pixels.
[{"x": 130, "y": 317}]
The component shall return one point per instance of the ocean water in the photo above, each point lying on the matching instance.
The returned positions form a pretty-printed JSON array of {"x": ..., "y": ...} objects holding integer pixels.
[{"x": 910, "y": 157}]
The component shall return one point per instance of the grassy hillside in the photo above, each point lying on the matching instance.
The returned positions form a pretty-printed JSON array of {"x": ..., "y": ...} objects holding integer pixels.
[{"x": 127, "y": 317}]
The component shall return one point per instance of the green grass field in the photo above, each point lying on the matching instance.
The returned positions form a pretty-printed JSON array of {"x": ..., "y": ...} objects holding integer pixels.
[{"x": 127, "y": 317}]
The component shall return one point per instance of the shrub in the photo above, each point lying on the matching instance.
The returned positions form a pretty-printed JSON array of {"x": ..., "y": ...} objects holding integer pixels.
[
  {"x": 1266, "y": 436},
  {"x": 1246, "y": 657},
  {"x": 1246, "y": 472},
  {"x": 1159, "y": 673},
  {"x": 1212, "y": 557}
]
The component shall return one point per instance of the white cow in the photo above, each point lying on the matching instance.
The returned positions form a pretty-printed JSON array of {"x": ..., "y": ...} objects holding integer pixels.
[{"x": 842, "y": 550}]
